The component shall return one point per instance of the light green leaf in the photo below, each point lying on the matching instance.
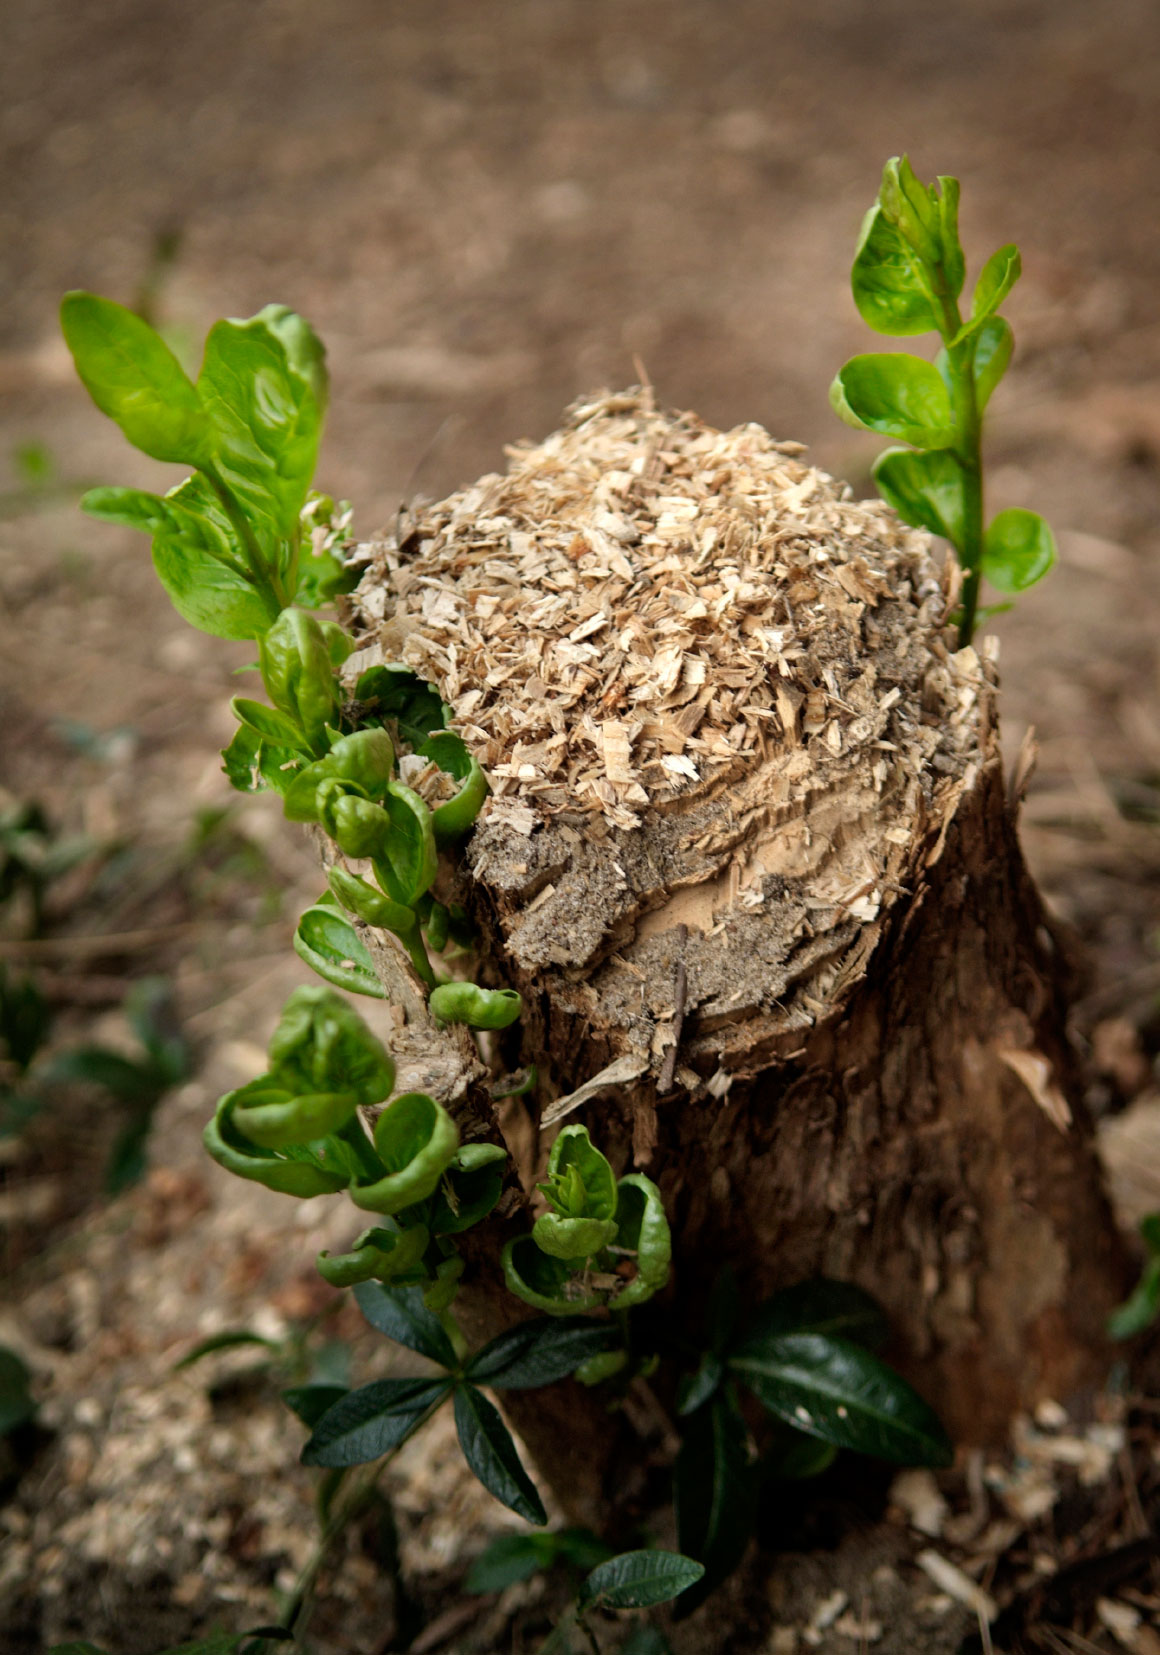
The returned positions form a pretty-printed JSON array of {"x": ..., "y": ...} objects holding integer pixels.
[
  {"x": 888, "y": 283},
  {"x": 415, "y": 1139},
  {"x": 201, "y": 572},
  {"x": 274, "y": 1119},
  {"x": 364, "y": 762},
  {"x": 322, "y": 1044},
  {"x": 298, "y": 674},
  {"x": 925, "y": 489},
  {"x": 580, "y": 1183},
  {"x": 269, "y": 724},
  {"x": 383, "y": 1255},
  {"x": 301, "y": 1173},
  {"x": 452, "y": 819},
  {"x": 267, "y": 425},
  {"x": 572, "y": 1238},
  {"x": 411, "y": 860},
  {"x": 543, "y": 1282},
  {"x": 911, "y": 209},
  {"x": 479, "y": 1008},
  {"x": 954, "y": 265},
  {"x": 898, "y": 395},
  {"x": 994, "y": 344},
  {"x": 331, "y": 946},
  {"x": 1018, "y": 550},
  {"x": 491, "y": 1454},
  {"x": 134, "y": 378},
  {"x": 642, "y": 1228},
  {"x": 371, "y": 905},
  {"x": 996, "y": 279}
]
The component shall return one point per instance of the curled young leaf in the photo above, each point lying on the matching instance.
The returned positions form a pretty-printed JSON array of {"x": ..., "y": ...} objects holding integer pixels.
[
  {"x": 953, "y": 262},
  {"x": 925, "y": 489},
  {"x": 322, "y": 1043},
  {"x": 379, "y": 1254},
  {"x": 371, "y": 905},
  {"x": 911, "y": 209},
  {"x": 580, "y": 1184},
  {"x": 643, "y": 1230},
  {"x": 134, "y": 378},
  {"x": 470, "y": 1188},
  {"x": 301, "y": 1173},
  {"x": 1018, "y": 550},
  {"x": 393, "y": 691},
  {"x": 439, "y": 1295},
  {"x": 452, "y": 819},
  {"x": 330, "y": 945},
  {"x": 898, "y": 395},
  {"x": 409, "y": 860},
  {"x": 364, "y": 762},
  {"x": 415, "y": 1139},
  {"x": 891, "y": 290},
  {"x": 359, "y": 827},
  {"x": 543, "y": 1282},
  {"x": 269, "y": 1116},
  {"x": 479, "y": 1008},
  {"x": 572, "y": 1238},
  {"x": 270, "y": 725}
]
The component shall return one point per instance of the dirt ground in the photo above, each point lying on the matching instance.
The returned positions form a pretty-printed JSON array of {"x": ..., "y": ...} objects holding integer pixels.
[{"x": 487, "y": 208}]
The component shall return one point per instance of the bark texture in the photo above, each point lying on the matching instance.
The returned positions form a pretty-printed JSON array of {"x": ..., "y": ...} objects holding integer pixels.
[{"x": 802, "y": 978}]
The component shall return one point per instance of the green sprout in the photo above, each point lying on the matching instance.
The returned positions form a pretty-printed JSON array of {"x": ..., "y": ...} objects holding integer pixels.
[{"x": 908, "y": 275}]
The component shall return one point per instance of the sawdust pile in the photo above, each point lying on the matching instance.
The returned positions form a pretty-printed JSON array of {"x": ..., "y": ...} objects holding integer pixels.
[{"x": 703, "y": 680}]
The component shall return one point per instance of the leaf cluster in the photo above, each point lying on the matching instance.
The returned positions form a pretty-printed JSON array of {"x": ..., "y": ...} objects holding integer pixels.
[
  {"x": 1142, "y": 1306},
  {"x": 908, "y": 274},
  {"x": 228, "y": 541},
  {"x": 603, "y": 1241},
  {"x": 807, "y": 1356},
  {"x": 375, "y": 1419}
]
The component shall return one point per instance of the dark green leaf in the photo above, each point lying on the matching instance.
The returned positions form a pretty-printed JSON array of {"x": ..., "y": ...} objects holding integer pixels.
[
  {"x": 400, "y": 1313},
  {"x": 888, "y": 283},
  {"x": 1018, "y": 550},
  {"x": 833, "y": 1389},
  {"x": 364, "y": 1424},
  {"x": 330, "y": 945},
  {"x": 695, "y": 1389},
  {"x": 75, "y": 1649},
  {"x": 539, "y": 1352},
  {"x": 996, "y": 279},
  {"x": 509, "y": 1558},
  {"x": 1140, "y": 1309},
  {"x": 16, "y": 1401},
  {"x": 490, "y": 1452},
  {"x": 794, "y": 1457},
  {"x": 925, "y": 489},
  {"x": 822, "y": 1306},
  {"x": 134, "y": 378},
  {"x": 310, "y": 1402},
  {"x": 646, "y": 1640},
  {"x": 128, "y": 1163},
  {"x": 637, "y": 1580},
  {"x": 128, "y": 1079},
  {"x": 898, "y": 395},
  {"x": 464, "y": 1197},
  {"x": 223, "y": 1341},
  {"x": 715, "y": 1491}
]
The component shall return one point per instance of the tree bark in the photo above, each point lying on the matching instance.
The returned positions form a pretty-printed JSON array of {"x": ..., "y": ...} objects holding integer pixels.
[{"x": 823, "y": 1003}]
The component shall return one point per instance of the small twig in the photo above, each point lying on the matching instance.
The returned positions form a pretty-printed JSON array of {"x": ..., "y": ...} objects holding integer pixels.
[
  {"x": 984, "y": 1632},
  {"x": 669, "y": 1067},
  {"x": 51, "y": 948}
]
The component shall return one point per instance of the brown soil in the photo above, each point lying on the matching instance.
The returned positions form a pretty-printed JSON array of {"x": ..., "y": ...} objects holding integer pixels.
[{"x": 488, "y": 211}]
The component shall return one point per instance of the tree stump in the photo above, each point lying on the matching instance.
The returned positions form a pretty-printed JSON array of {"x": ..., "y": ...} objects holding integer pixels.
[{"x": 751, "y": 861}]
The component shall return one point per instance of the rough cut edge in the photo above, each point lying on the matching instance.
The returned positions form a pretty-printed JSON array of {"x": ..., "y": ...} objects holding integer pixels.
[{"x": 721, "y": 723}]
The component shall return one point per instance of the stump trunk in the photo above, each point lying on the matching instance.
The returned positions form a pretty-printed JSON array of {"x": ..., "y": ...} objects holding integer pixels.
[{"x": 751, "y": 861}]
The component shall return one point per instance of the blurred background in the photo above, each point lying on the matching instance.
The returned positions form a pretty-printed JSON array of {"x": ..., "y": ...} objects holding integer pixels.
[{"x": 487, "y": 208}]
